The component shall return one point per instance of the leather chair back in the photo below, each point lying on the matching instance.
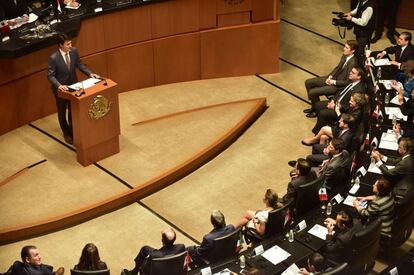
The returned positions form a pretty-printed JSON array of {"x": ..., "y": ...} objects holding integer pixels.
[
  {"x": 224, "y": 247},
  {"x": 89, "y": 272},
  {"x": 341, "y": 269},
  {"x": 172, "y": 265},
  {"x": 365, "y": 246},
  {"x": 308, "y": 197},
  {"x": 276, "y": 220}
]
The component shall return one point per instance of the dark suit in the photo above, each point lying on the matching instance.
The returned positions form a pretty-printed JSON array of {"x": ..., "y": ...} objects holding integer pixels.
[
  {"x": 203, "y": 251},
  {"x": 338, "y": 245},
  {"x": 316, "y": 86},
  {"x": 10, "y": 10},
  {"x": 407, "y": 54},
  {"x": 293, "y": 185},
  {"x": 59, "y": 74},
  {"x": 147, "y": 253},
  {"x": 318, "y": 156},
  {"x": 402, "y": 175},
  {"x": 20, "y": 268},
  {"x": 328, "y": 116},
  {"x": 336, "y": 171}
]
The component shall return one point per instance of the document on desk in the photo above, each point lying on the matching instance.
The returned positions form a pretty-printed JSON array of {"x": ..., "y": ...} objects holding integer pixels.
[
  {"x": 319, "y": 231},
  {"x": 84, "y": 84},
  {"x": 386, "y": 83},
  {"x": 375, "y": 169},
  {"x": 275, "y": 255},
  {"x": 382, "y": 62},
  {"x": 395, "y": 111},
  {"x": 291, "y": 270},
  {"x": 395, "y": 101},
  {"x": 388, "y": 141}
]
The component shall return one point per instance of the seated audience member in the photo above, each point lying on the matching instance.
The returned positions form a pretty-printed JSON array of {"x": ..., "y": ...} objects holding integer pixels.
[
  {"x": 90, "y": 259},
  {"x": 380, "y": 205},
  {"x": 339, "y": 237},
  {"x": 147, "y": 253},
  {"x": 402, "y": 175},
  {"x": 316, "y": 264},
  {"x": 14, "y": 11},
  {"x": 329, "y": 85},
  {"x": 198, "y": 253},
  {"x": 32, "y": 264},
  {"x": 340, "y": 130},
  {"x": 407, "y": 79},
  {"x": 403, "y": 51},
  {"x": 332, "y": 113},
  {"x": 256, "y": 220},
  {"x": 301, "y": 175},
  {"x": 335, "y": 168},
  {"x": 356, "y": 83},
  {"x": 407, "y": 109}
]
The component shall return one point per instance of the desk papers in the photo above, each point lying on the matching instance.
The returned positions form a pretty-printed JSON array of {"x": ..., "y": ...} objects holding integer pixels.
[
  {"x": 391, "y": 111},
  {"x": 395, "y": 101},
  {"x": 388, "y": 141},
  {"x": 275, "y": 255},
  {"x": 84, "y": 84},
  {"x": 354, "y": 189},
  {"x": 375, "y": 169},
  {"x": 319, "y": 231},
  {"x": 382, "y": 62},
  {"x": 291, "y": 270}
]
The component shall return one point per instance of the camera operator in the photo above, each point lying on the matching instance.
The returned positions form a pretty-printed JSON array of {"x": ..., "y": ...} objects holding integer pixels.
[{"x": 364, "y": 26}]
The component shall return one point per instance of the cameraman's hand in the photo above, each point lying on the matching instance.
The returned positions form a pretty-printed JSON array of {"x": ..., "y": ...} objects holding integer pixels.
[{"x": 348, "y": 17}]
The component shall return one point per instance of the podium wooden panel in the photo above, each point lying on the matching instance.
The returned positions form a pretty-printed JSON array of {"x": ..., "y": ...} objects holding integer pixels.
[{"x": 94, "y": 138}]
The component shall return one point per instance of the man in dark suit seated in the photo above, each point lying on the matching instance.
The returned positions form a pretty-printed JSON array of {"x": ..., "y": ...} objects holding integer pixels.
[
  {"x": 343, "y": 130},
  {"x": 338, "y": 243},
  {"x": 403, "y": 51},
  {"x": 335, "y": 168},
  {"x": 32, "y": 264},
  {"x": 338, "y": 78},
  {"x": 402, "y": 175},
  {"x": 147, "y": 253},
  {"x": 301, "y": 175},
  {"x": 202, "y": 252}
]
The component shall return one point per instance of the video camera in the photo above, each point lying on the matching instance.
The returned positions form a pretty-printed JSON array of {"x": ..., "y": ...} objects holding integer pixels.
[{"x": 341, "y": 21}]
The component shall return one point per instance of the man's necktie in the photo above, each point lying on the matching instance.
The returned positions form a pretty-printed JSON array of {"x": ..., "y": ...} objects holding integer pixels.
[
  {"x": 67, "y": 60},
  {"x": 344, "y": 91}
]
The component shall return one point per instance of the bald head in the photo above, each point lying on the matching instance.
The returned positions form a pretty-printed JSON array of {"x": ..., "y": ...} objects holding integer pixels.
[{"x": 168, "y": 237}]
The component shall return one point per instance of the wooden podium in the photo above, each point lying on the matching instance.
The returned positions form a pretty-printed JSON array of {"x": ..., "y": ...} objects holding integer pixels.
[{"x": 95, "y": 121}]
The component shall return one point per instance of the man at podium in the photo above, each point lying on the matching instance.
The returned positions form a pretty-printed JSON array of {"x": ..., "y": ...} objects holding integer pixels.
[{"x": 61, "y": 73}]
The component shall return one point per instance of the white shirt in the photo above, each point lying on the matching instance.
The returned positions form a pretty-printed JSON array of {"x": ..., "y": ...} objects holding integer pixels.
[{"x": 365, "y": 17}]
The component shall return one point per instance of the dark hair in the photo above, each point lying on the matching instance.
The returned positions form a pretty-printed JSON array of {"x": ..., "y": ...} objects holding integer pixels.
[
  {"x": 271, "y": 198},
  {"x": 338, "y": 144},
  {"x": 303, "y": 166},
  {"x": 166, "y": 240},
  {"x": 406, "y": 144},
  {"x": 217, "y": 219},
  {"x": 407, "y": 36},
  {"x": 384, "y": 187},
  {"x": 62, "y": 38},
  {"x": 347, "y": 119},
  {"x": 26, "y": 252},
  {"x": 318, "y": 261},
  {"x": 353, "y": 44},
  {"x": 89, "y": 259},
  {"x": 346, "y": 219},
  {"x": 408, "y": 67}
]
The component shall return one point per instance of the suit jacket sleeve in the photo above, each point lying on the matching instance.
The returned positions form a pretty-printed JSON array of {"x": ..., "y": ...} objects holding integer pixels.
[
  {"x": 349, "y": 65},
  {"x": 391, "y": 50},
  {"x": 82, "y": 67},
  {"x": 51, "y": 71},
  {"x": 336, "y": 69},
  {"x": 399, "y": 169},
  {"x": 204, "y": 247}
]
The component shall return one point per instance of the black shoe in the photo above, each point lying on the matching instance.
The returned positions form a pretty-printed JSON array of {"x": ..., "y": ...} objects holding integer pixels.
[
  {"x": 68, "y": 139},
  {"x": 311, "y": 114},
  {"x": 307, "y": 111},
  {"x": 391, "y": 38},
  {"x": 292, "y": 163},
  {"x": 375, "y": 39}
]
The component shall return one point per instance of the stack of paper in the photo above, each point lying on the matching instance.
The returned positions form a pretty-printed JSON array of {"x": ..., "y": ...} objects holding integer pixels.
[
  {"x": 388, "y": 141},
  {"x": 395, "y": 111},
  {"x": 373, "y": 168},
  {"x": 291, "y": 270},
  {"x": 319, "y": 231},
  {"x": 382, "y": 62},
  {"x": 275, "y": 255}
]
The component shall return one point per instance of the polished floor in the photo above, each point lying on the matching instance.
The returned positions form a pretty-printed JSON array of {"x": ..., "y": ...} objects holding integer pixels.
[{"x": 233, "y": 181}]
